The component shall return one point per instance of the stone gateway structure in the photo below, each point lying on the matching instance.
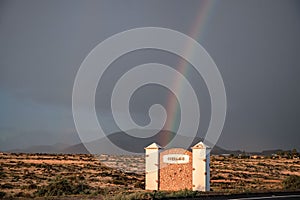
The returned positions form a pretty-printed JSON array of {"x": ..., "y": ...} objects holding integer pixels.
[{"x": 177, "y": 168}]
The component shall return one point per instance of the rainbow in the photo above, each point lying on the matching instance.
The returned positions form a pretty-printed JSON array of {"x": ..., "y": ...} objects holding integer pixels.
[{"x": 197, "y": 33}]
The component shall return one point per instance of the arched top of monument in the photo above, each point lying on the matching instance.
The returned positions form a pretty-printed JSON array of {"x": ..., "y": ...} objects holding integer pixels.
[
  {"x": 200, "y": 145},
  {"x": 176, "y": 151},
  {"x": 153, "y": 146}
]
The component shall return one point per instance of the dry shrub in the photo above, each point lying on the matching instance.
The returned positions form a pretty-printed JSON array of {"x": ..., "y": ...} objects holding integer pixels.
[{"x": 291, "y": 183}]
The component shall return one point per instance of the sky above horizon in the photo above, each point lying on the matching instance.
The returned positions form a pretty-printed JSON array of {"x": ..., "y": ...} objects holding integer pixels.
[{"x": 255, "y": 44}]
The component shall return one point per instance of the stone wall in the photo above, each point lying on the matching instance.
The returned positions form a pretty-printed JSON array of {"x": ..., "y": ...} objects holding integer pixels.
[{"x": 175, "y": 176}]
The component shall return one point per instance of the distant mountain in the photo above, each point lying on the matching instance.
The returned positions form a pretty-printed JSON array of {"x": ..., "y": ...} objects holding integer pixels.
[
  {"x": 270, "y": 152},
  {"x": 123, "y": 141},
  {"x": 56, "y": 148},
  {"x": 119, "y": 139},
  {"x": 128, "y": 143},
  {"x": 137, "y": 145},
  {"x": 76, "y": 149}
]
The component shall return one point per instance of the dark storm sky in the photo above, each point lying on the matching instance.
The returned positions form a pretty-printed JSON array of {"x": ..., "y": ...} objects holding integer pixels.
[{"x": 255, "y": 44}]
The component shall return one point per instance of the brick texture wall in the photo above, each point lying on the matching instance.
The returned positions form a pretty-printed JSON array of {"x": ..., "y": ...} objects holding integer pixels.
[{"x": 175, "y": 176}]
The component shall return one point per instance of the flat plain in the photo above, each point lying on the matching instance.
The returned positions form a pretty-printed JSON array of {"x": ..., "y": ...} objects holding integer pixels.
[{"x": 31, "y": 175}]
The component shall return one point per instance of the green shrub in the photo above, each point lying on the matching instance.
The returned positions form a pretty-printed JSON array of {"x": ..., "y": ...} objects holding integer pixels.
[
  {"x": 7, "y": 186},
  {"x": 23, "y": 194},
  {"x": 2, "y": 194},
  {"x": 184, "y": 193},
  {"x": 2, "y": 174},
  {"x": 56, "y": 188},
  {"x": 118, "y": 182},
  {"x": 291, "y": 183},
  {"x": 217, "y": 177},
  {"x": 61, "y": 186},
  {"x": 157, "y": 195},
  {"x": 81, "y": 188},
  {"x": 32, "y": 186},
  {"x": 133, "y": 196},
  {"x": 15, "y": 178},
  {"x": 29, "y": 175},
  {"x": 139, "y": 184}
]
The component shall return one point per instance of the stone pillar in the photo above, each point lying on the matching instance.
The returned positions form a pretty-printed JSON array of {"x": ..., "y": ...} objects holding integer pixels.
[
  {"x": 201, "y": 169},
  {"x": 152, "y": 167}
]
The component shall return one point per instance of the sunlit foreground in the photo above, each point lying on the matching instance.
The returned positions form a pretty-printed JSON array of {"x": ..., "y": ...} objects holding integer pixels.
[{"x": 104, "y": 176}]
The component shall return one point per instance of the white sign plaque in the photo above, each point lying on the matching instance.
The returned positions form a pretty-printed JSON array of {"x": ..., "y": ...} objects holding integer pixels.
[{"x": 176, "y": 158}]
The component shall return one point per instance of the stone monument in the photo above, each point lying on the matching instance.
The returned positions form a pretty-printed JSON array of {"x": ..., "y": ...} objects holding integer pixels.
[{"x": 177, "y": 168}]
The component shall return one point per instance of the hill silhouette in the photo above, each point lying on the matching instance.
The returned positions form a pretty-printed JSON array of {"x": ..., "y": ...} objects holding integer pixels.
[
  {"x": 122, "y": 141},
  {"x": 134, "y": 144}
]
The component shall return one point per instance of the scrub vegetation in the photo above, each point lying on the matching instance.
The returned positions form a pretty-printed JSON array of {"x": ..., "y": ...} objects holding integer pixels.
[{"x": 70, "y": 176}]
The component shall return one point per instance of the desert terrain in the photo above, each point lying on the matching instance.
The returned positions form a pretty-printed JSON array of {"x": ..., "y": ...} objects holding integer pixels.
[{"x": 108, "y": 176}]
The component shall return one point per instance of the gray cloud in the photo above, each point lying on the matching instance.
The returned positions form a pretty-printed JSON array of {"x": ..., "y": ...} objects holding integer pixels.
[{"x": 255, "y": 44}]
